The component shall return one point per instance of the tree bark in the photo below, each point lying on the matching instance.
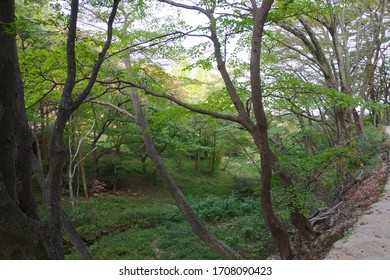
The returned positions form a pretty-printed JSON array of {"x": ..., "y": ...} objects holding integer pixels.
[
  {"x": 261, "y": 134},
  {"x": 22, "y": 236},
  {"x": 8, "y": 60},
  {"x": 307, "y": 139},
  {"x": 23, "y": 153},
  {"x": 76, "y": 240}
]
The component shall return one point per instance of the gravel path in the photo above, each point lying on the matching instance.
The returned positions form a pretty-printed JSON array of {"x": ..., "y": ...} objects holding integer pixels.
[{"x": 370, "y": 237}]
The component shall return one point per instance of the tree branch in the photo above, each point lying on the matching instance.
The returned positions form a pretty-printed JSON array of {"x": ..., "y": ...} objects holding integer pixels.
[
  {"x": 100, "y": 59},
  {"x": 221, "y": 64},
  {"x": 43, "y": 97},
  {"x": 114, "y": 107},
  {"x": 184, "y": 6},
  {"x": 180, "y": 33},
  {"x": 188, "y": 106},
  {"x": 66, "y": 100}
]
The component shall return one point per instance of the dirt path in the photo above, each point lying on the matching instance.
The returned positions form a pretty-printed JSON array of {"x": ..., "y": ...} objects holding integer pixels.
[{"x": 369, "y": 239}]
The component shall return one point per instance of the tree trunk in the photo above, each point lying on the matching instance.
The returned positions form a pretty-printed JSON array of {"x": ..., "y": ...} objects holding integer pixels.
[
  {"x": 95, "y": 168},
  {"x": 71, "y": 145},
  {"x": 58, "y": 151},
  {"x": 342, "y": 120},
  {"x": 23, "y": 153},
  {"x": 36, "y": 144},
  {"x": 261, "y": 133},
  {"x": 300, "y": 221},
  {"x": 278, "y": 232},
  {"x": 67, "y": 106},
  {"x": 83, "y": 176},
  {"x": 197, "y": 162},
  {"x": 358, "y": 122},
  {"x": 67, "y": 225},
  {"x": 76, "y": 240},
  {"x": 96, "y": 137},
  {"x": 306, "y": 139},
  {"x": 224, "y": 251},
  {"x": 21, "y": 235},
  {"x": 214, "y": 154},
  {"x": 8, "y": 60},
  {"x": 44, "y": 133}
]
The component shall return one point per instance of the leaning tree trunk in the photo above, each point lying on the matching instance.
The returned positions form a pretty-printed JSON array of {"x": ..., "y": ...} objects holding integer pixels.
[{"x": 224, "y": 251}]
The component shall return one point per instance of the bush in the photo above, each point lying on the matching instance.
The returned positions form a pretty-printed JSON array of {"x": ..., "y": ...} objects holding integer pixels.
[
  {"x": 245, "y": 186},
  {"x": 213, "y": 209},
  {"x": 150, "y": 218}
]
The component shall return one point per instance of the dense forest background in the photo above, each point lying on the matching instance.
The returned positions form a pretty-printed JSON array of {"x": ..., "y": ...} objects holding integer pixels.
[{"x": 185, "y": 129}]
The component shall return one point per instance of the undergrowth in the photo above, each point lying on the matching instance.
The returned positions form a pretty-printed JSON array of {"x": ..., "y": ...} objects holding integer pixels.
[
  {"x": 117, "y": 229},
  {"x": 150, "y": 226}
]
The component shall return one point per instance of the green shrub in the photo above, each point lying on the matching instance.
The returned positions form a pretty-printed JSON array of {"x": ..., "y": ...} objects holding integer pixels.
[
  {"x": 212, "y": 209},
  {"x": 245, "y": 186}
]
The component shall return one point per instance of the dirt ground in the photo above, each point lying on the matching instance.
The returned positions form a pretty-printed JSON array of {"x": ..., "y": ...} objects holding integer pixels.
[{"x": 369, "y": 238}]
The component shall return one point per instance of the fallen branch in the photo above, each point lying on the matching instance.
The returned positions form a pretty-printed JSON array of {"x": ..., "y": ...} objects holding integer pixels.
[{"x": 324, "y": 216}]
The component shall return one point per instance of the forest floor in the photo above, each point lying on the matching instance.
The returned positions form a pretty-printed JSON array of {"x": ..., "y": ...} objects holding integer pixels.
[
  {"x": 369, "y": 239},
  {"x": 140, "y": 221}
]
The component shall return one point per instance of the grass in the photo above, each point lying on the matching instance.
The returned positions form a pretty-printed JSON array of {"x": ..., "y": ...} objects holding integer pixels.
[
  {"x": 349, "y": 233},
  {"x": 169, "y": 241},
  {"x": 117, "y": 227},
  {"x": 368, "y": 212},
  {"x": 199, "y": 185},
  {"x": 150, "y": 226}
]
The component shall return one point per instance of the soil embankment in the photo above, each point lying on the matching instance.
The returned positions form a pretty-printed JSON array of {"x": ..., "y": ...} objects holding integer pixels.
[{"x": 369, "y": 239}]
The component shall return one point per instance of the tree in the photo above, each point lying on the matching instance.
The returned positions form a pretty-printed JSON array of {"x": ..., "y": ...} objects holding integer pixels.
[
  {"x": 182, "y": 203},
  {"x": 330, "y": 47},
  {"x": 200, "y": 230},
  {"x": 23, "y": 236},
  {"x": 68, "y": 104},
  {"x": 257, "y": 127},
  {"x": 24, "y": 232}
]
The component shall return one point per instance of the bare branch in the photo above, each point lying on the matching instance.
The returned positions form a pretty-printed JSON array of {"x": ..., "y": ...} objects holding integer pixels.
[
  {"x": 123, "y": 111},
  {"x": 43, "y": 97},
  {"x": 184, "y": 6},
  {"x": 80, "y": 142}
]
